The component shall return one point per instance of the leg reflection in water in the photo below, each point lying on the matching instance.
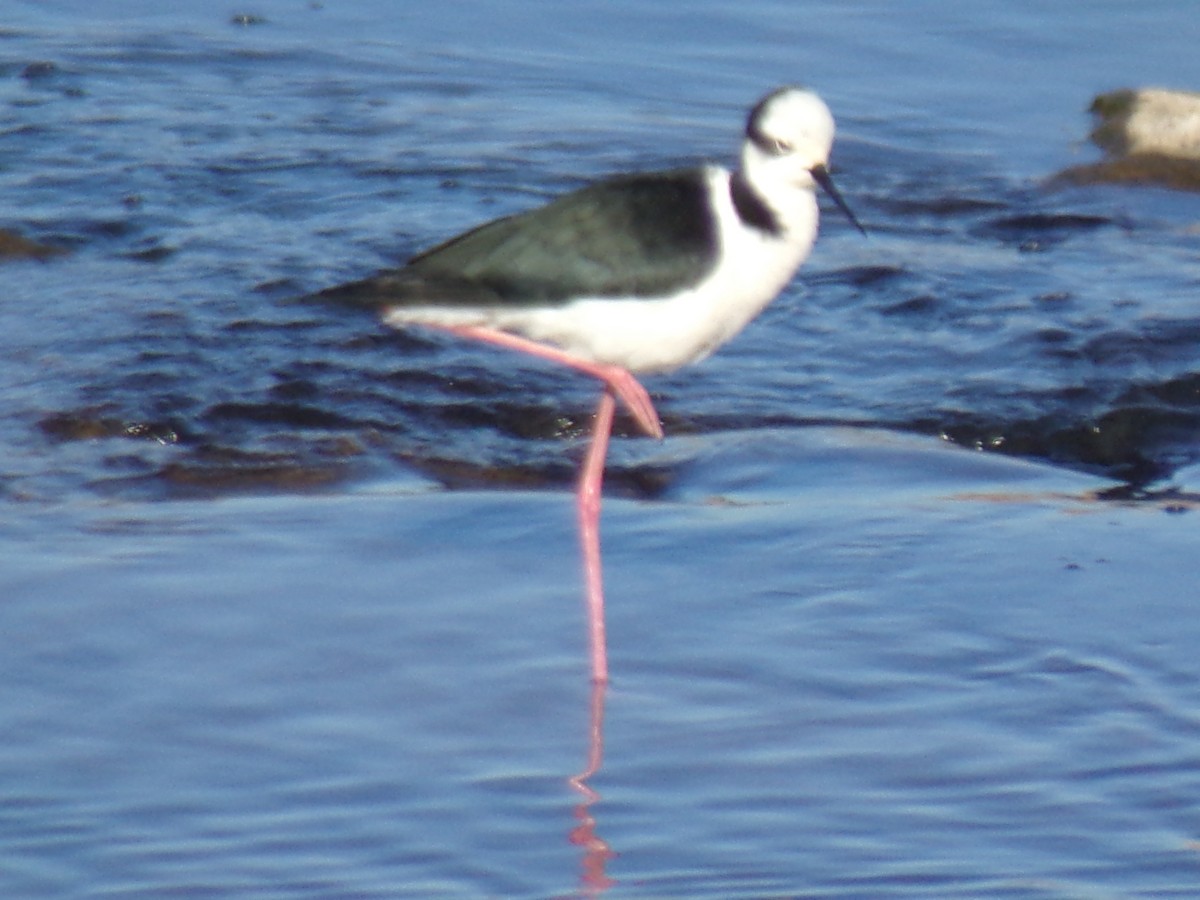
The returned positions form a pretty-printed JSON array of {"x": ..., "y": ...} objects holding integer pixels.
[{"x": 593, "y": 878}]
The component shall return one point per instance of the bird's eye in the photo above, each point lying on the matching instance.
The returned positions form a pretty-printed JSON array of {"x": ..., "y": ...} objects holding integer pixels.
[{"x": 781, "y": 146}]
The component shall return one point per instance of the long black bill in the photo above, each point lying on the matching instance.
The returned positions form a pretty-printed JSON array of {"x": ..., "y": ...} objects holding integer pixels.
[{"x": 821, "y": 176}]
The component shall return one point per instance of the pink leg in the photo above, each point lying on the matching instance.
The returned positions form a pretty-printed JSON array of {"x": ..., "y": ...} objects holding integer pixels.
[
  {"x": 618, "y": 383},
  {"x": 591, "y": 480},
  {"x": 618, "y": 380}
]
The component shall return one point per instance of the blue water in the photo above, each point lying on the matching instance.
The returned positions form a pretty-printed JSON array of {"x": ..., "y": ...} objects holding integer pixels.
[{"x": 289, "y": 605}]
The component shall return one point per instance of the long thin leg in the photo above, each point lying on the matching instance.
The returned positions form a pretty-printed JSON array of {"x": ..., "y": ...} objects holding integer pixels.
[
  {"x": 591, "y": 480},
  {"x": 618, "y": 383},
  {"x": 618, "y": 380}
]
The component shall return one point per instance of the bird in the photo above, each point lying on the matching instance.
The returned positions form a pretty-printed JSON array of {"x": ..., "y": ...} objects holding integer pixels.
[{"x": 638, "y": 273}]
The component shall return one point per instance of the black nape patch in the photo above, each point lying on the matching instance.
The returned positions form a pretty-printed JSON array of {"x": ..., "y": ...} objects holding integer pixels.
[
  {"x": 754, "y": 130},
  {"x": 758, "y": 137},
  {"x": 750, "y": 206}
]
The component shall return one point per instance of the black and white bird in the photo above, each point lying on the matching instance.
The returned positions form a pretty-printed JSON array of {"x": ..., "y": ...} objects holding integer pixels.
[{"x": 639, "y": 273}]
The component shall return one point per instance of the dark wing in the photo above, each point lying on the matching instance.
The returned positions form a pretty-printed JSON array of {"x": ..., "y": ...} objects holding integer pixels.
[{"x": 650, "y": 234}]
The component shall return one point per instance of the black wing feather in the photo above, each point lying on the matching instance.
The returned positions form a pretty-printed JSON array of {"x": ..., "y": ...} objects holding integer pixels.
[{"x": 643, "y": 235}]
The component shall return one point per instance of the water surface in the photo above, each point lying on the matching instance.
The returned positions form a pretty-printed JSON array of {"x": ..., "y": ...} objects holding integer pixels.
[{"x": 901, "y": 607}]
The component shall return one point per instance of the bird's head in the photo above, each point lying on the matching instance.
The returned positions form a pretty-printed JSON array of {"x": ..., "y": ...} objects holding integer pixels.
[{"x": 789, "y": 135}]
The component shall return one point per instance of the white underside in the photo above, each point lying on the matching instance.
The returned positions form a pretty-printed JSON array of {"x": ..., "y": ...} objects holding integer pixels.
[{"x": 653, "y": 335}]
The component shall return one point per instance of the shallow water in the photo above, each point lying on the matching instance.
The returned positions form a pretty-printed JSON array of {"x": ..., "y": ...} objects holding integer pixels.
[{"x": 291, "y": 600}]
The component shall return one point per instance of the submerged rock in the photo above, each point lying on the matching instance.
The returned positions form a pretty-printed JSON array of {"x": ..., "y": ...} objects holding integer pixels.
[
  {"x": 1151, "y": 136},
  {"x": 14, "y": 246}
]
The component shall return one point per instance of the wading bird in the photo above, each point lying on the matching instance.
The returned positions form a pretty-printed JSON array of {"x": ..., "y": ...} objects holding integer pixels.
[{"x": 640, "y": 273}]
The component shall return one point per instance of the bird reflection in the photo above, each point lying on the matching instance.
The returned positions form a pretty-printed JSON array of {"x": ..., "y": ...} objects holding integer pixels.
[{"x": 593, "y": 877}]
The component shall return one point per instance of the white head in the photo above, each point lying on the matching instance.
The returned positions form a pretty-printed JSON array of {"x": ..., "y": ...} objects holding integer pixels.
[{"x": 788, "y": 138}]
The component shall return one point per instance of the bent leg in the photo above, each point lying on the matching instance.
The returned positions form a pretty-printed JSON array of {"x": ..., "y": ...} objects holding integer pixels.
[{"x": 619, "y": 381}]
